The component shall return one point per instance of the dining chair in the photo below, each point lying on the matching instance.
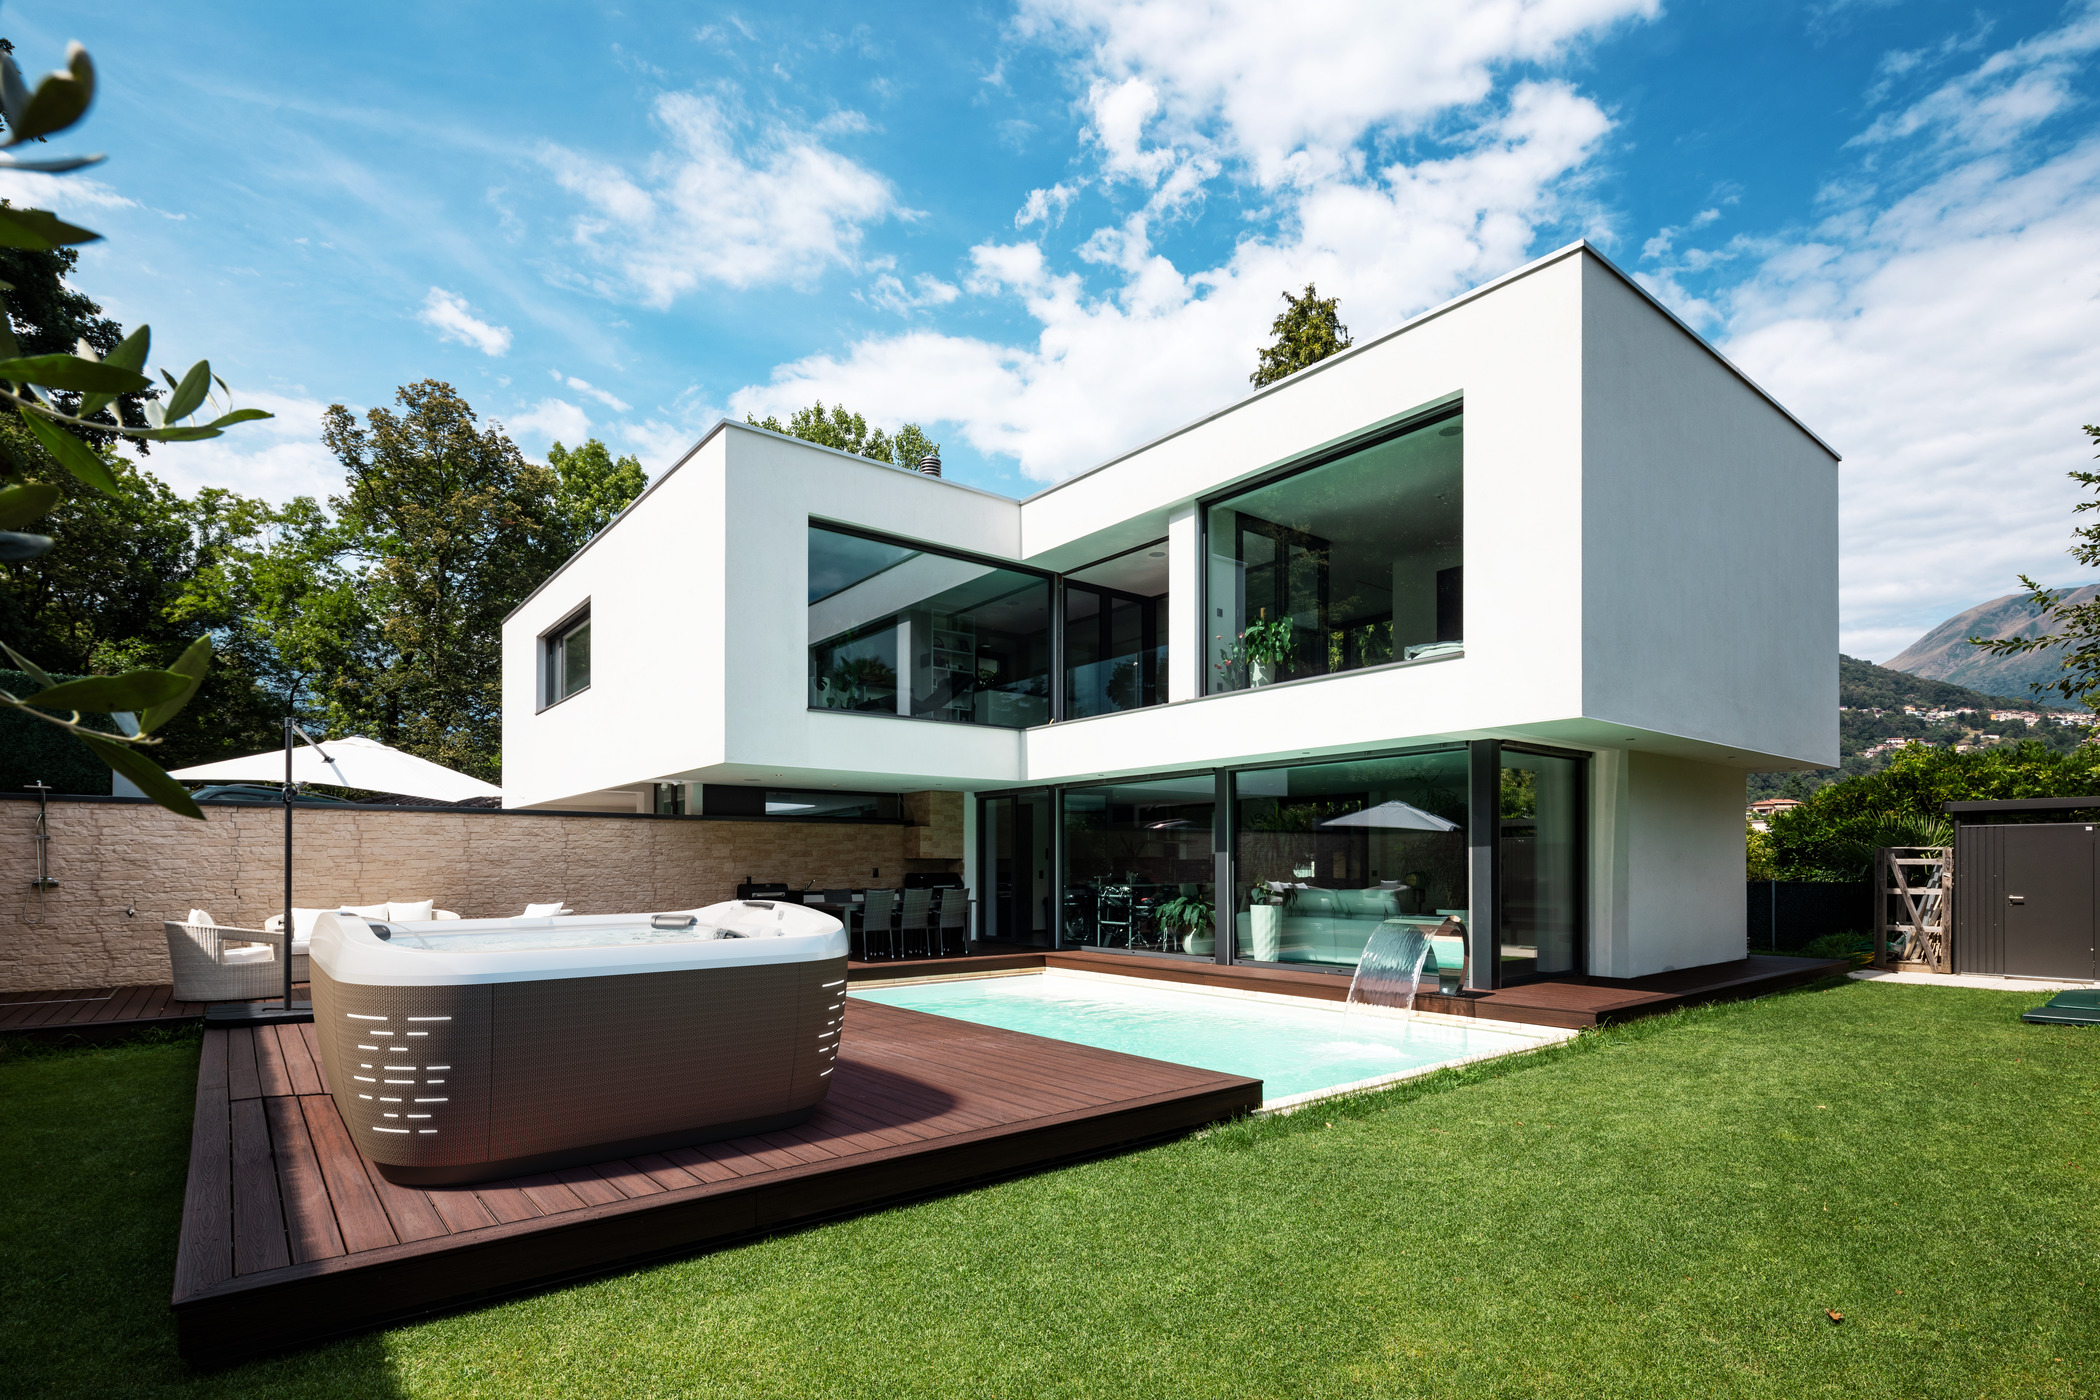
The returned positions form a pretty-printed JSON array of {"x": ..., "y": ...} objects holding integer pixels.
[
  {"x": 953, "y": 916},
  {"x": 912, "y": 920},
  {"x": 875, "y": 916}
]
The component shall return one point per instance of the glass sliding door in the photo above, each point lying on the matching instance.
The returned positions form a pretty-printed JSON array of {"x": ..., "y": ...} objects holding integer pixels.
[
  {"x": 1013, "y": 871},
  {"x": 1541, "y": 858},
  {"x": 1326, "y": 853},
  {"x": 1354, "y": 562},
  {"x": 1138, "y": 866}
]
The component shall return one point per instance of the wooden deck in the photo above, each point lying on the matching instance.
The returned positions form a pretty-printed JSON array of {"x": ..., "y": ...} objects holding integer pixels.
[
  {"x": 93, "y": 1013},
  {"x": 288, "y": 1236},
  {"x": 1571, "y": 1003}
]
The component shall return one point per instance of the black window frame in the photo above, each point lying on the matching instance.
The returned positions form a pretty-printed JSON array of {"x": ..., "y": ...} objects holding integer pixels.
[{"x": 553, "y": 642}]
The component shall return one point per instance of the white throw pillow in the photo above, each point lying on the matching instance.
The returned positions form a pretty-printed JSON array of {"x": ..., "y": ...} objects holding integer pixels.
[
  {"x": 303, "y": 922},
  {"x": 542, "y": 911},
  {"x": 248, "y": 953},
  {"x": 418, "y": 912},
  {"x": 364, "y": 911},
  {"x": 200, "y": 916}
]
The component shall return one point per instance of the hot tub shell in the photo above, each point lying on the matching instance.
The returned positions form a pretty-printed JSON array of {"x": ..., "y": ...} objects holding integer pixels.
[{"x": 504, "y": 1062}]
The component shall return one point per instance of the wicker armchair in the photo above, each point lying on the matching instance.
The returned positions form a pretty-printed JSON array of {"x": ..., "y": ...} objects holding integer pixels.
[{"x": 228, "y": 964}]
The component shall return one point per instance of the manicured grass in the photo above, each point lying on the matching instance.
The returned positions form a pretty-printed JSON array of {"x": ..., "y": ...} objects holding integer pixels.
[{"x": 1663, "y": 1209}]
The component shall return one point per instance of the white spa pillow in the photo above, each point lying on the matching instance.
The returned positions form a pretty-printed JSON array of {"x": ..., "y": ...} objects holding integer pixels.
[
  {"x": 201, "y": 916},
  {"x": 542, "y": 911},
  {"x": 418, "y": 912}
]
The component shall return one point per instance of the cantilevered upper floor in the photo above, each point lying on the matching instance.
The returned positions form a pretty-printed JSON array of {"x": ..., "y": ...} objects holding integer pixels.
[{"x": 1545, "y": 510}]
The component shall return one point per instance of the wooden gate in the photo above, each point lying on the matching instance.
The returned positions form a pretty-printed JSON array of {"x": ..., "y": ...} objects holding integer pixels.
[{"x": 1913, "y": 896}]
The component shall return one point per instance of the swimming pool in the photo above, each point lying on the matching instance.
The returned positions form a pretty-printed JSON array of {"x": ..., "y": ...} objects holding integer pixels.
[{"x": 1299, "y": 1049}]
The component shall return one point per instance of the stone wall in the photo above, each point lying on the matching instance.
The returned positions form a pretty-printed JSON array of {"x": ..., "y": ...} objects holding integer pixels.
[{"x": 112, "y": 856}]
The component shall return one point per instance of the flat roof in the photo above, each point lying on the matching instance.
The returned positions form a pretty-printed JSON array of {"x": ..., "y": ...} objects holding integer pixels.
[{"x": 2021, "y": 804}]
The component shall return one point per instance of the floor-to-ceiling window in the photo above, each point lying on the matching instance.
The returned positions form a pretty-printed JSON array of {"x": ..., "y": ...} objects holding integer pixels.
[
  {"x": 1354, "y": 562},
  {"x": 1325, "y": 853},
  {"x": 1138, "y": 869},
  {"x": 896, "y": 629},
  {"x": 1014, "y": 868},
  {"x": 1116, "y": 633},
  {"x": 1541, "y": 831}
]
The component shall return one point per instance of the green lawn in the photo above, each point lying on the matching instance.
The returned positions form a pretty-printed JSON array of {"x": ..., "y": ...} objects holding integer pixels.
[{"x": 1664, "y": 1209}]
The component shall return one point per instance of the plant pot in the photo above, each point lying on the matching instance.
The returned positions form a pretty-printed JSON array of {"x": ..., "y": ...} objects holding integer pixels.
[
  {"x": 1257, "y": 674},
  {"x": 1265, "y": 931}
]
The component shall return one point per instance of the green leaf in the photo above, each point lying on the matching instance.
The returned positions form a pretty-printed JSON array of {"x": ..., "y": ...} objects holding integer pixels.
[
  {"x": 15, "y": 546},
  {"x": 129, "y": 354},
  {"x": 35, "y": 672},
  {"x": 60, "y": 99},
  {"x": 39, "y": 229},
  {"x": 32, "y": 500},
  {"x": 194, "y": 434},
  {"x": 143, "y": 771},
  {"x": 193, "y": 662},
  {"x": 188, "y": 394},
  {"x": 72, "y": 454},
  {"x": 134, "y": 690},
  {"x": 239, "y": 415},
  {"x": 72, "y": 372}
]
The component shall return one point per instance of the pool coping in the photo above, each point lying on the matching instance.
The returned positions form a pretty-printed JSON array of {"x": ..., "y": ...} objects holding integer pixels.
[{"x": 1541, "y": 1037}]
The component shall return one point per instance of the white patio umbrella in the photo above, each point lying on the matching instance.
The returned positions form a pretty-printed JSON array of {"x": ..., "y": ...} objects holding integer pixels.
[
  {"x": 1394, "y": 816},
  {"x": 351, "y": 763}
]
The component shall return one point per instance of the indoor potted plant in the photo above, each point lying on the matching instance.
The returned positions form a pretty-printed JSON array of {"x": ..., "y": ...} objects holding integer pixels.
[
  {"x": 1266, "y": 646},
  {"x": 1192, "y": 916}
]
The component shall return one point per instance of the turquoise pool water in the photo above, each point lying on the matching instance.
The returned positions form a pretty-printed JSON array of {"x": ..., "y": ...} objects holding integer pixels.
[{"x": 1291, "y": 1050}]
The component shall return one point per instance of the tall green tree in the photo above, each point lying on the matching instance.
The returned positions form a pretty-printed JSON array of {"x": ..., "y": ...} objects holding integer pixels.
[
  {"x": 591, "y": 487},
  {"x": 846, "y": 430},
  {"x": 2074, "y": 627},
  {"x": 453, "y": 527},
  {"x": 1305, "y": 332}
]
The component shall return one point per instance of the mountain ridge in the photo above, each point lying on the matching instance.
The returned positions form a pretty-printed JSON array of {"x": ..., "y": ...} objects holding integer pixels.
[{"x": 1944, "y": 653}]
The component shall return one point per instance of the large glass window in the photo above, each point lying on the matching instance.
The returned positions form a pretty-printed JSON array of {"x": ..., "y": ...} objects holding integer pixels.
[
  {"x": 1014, "y": 873},
  {"x": 1138, "y": 866},
  {"x": 1356, "y": 562},
  {"x": 1541, "y": 863},
  {"x": 905, "y": 631},
  {"x": 1327, "y": 852},
  {"x": 1116, "y": 633}
]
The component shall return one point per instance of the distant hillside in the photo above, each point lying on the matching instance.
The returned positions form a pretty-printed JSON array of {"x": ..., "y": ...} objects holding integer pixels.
[
  {"x": 1944, "y": 653},
  {"x": 1864, "y": 686}
]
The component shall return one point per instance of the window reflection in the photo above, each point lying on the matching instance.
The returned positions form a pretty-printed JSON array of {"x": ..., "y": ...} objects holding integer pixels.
[
  {"x": 1541, "y": 835},
  {"x": 911, "y": 632},
  {"x": 1354, "y": 563},
  {"x": 1138, "y": 866},
  {"x": 1328, "y": 852},
  {"x": 1116, "y": 633}
]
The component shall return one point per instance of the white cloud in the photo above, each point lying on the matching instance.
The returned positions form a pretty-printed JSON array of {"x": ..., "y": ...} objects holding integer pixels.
[
  {"x": 449, "y": 315},
  {"x": 2000, "y": 99},
  {"x": 1107, "y": 371},
  {"x": 1941, "y": 337},
  {"x": 277, "y": 458},
  {"x": 890, "y": 293},
  {"x": 604, "y": 396},
  {"x": 551, "y": 420},
  {"x": 1046, "y": 206},
  {"x": 730, "y": 201}
]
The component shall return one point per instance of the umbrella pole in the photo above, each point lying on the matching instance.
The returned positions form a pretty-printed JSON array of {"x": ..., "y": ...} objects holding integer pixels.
[{"x": 288, "y": 863}]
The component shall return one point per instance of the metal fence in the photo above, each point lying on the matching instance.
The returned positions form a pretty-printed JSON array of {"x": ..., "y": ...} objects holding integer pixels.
[{"x": 1785, "y": 914}]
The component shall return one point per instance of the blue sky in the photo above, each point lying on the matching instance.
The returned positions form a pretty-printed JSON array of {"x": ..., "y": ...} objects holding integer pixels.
[{"x": 1049, "y": 229}]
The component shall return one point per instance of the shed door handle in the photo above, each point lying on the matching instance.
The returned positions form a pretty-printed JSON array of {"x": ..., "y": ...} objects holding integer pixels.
[{"x": 2016, "y": 899}]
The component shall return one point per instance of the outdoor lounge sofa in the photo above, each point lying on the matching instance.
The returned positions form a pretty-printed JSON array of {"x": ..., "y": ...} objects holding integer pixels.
[{"x": 1332, "y": 926}]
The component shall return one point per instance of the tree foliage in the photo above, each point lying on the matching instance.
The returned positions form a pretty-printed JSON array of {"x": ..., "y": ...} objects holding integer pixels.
[
  {"x": 70, "y": 400},
  {"x": 847, "y": 431},
  {"x": 454, "y": 527},
  {"x": 1834, "y": 834},
  {"x": 1306, "y": 331},
  {"x": 2075, "y": 627},
  {"x": 591, "y": 487}
]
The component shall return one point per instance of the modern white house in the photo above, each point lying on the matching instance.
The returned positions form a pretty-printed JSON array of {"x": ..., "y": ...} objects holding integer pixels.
[{"x": 1483, "y": 619}]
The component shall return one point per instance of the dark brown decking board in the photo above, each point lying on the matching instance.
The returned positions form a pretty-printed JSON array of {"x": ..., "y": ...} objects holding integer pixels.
[
  {"x": 1571, "y": 1003},
  {"x": 93, "y": 1013},
  {"x": 289, "y": 1236}
]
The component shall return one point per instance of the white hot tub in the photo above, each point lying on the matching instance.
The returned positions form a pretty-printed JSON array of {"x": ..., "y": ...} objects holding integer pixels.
[{"x": 472, "y": 1049}]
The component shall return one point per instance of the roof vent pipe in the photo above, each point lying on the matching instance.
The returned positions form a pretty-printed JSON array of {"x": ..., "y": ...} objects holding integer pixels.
[{"x": 930, "y": 464}]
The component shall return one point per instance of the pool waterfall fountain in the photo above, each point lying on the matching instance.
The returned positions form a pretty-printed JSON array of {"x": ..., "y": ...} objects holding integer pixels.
[{"x": 1391, "y": 967}]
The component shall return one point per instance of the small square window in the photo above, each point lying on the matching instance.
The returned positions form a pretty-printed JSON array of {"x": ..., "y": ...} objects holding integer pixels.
[{"x": 569, "y": 658}]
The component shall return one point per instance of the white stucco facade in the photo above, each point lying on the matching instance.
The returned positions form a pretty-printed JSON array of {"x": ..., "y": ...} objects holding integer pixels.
[{"x": 1650, "y": 578}]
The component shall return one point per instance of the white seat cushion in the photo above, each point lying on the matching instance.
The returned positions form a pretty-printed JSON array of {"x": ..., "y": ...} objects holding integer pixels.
[
  {"x": 202, "y": 916},
  {"x": 248, "y": 953},
  {"x": 410, "y": 913}
]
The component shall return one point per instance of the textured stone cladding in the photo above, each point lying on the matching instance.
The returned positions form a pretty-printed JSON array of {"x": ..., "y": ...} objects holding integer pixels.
[{"x": 112, "y": 856}]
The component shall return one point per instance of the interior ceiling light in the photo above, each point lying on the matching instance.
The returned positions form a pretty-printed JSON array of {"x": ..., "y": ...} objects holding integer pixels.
[{"x": 1157, "y": 554}]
